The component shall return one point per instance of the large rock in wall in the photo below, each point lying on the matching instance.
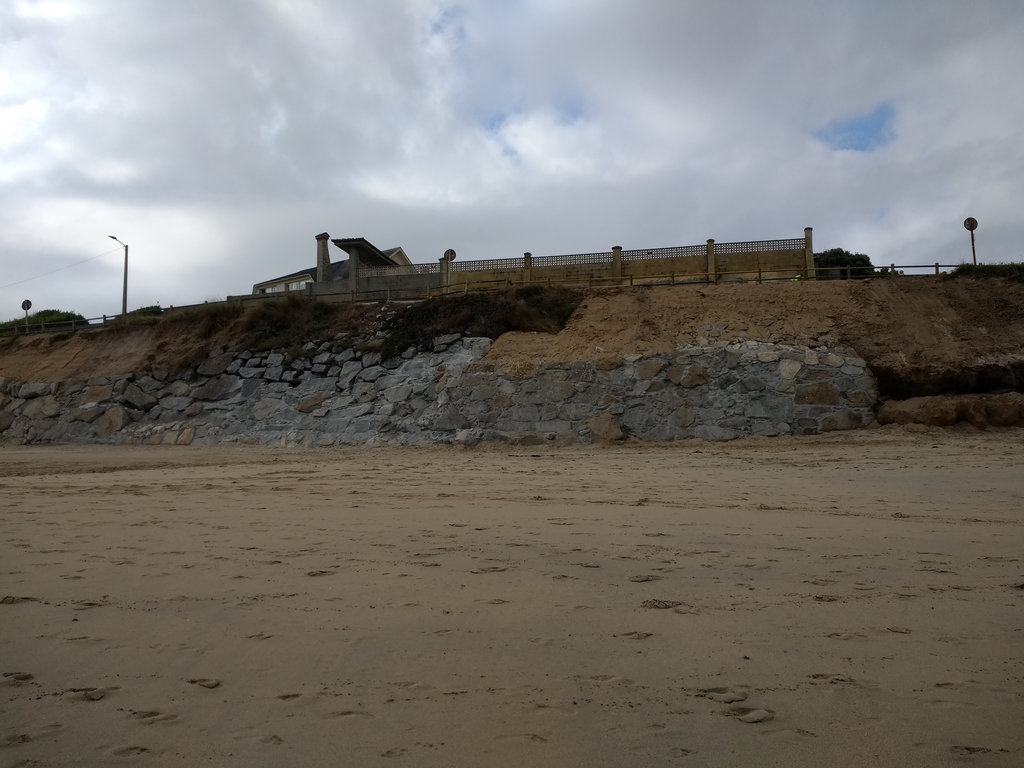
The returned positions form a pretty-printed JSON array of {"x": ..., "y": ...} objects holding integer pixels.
[{"x": 339, "y": 395}]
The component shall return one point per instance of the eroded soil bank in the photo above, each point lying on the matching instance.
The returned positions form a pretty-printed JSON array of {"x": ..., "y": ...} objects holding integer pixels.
[{"x": 920, "y": 336}]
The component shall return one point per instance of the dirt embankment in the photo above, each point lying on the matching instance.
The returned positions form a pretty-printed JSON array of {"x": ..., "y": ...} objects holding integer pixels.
[{"x": 920, "y": 335}]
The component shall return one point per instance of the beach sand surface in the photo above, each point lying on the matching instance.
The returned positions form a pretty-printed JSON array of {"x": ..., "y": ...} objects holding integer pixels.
[{"x": 841, "y": 600}]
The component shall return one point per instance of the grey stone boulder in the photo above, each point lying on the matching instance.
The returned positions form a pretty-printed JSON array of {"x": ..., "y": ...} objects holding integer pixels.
[
  {"x": 138, "y": 399},
  {"x": 215, "y": 365},
  {"x": 218, "y": 388},
  {"x": 113, "y": 420},
  {"x": 34, "y": 389}
]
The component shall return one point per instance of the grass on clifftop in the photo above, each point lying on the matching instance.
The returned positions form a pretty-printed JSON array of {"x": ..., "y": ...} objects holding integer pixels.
[
  {"x": 185, "y": 338},
  {"x": 529, "y": 308},
  {"x": 1014, "y": 271},
  {"x": 287, "y": 323}
]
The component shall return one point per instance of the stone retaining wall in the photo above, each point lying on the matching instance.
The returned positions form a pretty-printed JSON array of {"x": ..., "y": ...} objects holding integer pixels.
[{"x": 339, "y": 395}]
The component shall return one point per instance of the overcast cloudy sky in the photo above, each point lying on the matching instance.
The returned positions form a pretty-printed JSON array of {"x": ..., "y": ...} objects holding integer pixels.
[{"x": 218, "y": 137}]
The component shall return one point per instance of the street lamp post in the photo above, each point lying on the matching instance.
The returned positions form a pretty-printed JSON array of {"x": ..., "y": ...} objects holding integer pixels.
[{"x": 124, "y": 295}]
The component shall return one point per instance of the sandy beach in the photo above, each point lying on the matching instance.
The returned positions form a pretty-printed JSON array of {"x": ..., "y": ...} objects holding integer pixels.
[{"x": 852, "y": 599}]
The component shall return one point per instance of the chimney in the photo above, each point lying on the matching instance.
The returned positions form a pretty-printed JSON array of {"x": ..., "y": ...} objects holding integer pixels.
[{"x": 323, "y": 258}]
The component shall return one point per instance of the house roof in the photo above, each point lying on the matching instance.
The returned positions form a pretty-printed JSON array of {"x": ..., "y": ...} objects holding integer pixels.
[{"x": 370, "y": 255}]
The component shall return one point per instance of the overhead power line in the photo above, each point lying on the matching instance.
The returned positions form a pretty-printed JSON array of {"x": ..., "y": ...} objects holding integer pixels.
[{"x": 60, "y": 269}]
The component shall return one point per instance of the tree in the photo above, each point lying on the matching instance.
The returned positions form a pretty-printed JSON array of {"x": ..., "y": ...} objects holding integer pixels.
[{"x": 848, "y": 265}]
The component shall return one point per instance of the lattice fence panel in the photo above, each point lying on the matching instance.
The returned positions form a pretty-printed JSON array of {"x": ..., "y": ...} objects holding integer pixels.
[
  {"x": 760, "y": 246},
  {"x": 402, "y": 269},
  {"x": 676, "y": 252},
  {"x": 573, "y": 259},
  {"x": 475, "y": 266}
]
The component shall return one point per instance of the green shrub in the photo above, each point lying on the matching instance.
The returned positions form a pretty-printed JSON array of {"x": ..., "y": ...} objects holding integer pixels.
[
  {"x": 151, "y": 310},
  {"x": 207, "y": 319},
  {"x": 854, "y": 265},
  {"x": 289, "y": 322},
  {"x": 1014, "y": 271},
  {"x": 45, "y": 317}
]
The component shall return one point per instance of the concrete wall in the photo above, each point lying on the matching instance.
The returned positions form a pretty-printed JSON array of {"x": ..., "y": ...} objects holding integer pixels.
[
  {"x": 768, "y": 265},
  {"x": 381, "y": 287}
]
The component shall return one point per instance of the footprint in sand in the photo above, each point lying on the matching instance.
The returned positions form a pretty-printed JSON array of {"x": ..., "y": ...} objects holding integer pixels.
[
  {"x": 962, "y": 750},
  {"x": 845, "y": 636},
  {"x": 660, "y": 605},
  {"x": 644, "y": 577},
  {"x": 749, "y": 714},
  {"x": 288, "y": 696},
  {"x": 490, "y": 569},
  {"x": 534, "y": 738},
  {"x": 14, "y": 600},
  {"x": 206, "y": 682},
  {"x": 353, "y": 713},
  {"x": 613, "y": 679},
  {"x": 151, "y": 716},
  {"x": 18, "y": 678},
  {"x": 636, "y": 635},
  {"x": 25, "y": 738},
  {"x": 90, "y": 694},
  {"x": 84, "y": 605},
  {"x": 130, "y": 751},
  {"x": 825, "y": 677},
  {"x": 724, "y": 695}
]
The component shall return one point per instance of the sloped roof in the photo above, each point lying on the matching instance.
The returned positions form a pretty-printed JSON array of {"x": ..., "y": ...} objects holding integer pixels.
[{"x": 372, "y": 255}]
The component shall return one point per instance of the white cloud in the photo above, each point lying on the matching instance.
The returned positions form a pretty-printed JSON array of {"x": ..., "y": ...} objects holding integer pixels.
[{"x": 218, "y": 138}]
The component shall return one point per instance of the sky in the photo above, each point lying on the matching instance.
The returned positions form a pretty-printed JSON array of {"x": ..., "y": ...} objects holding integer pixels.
[{"x": 217, "y": 138}]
